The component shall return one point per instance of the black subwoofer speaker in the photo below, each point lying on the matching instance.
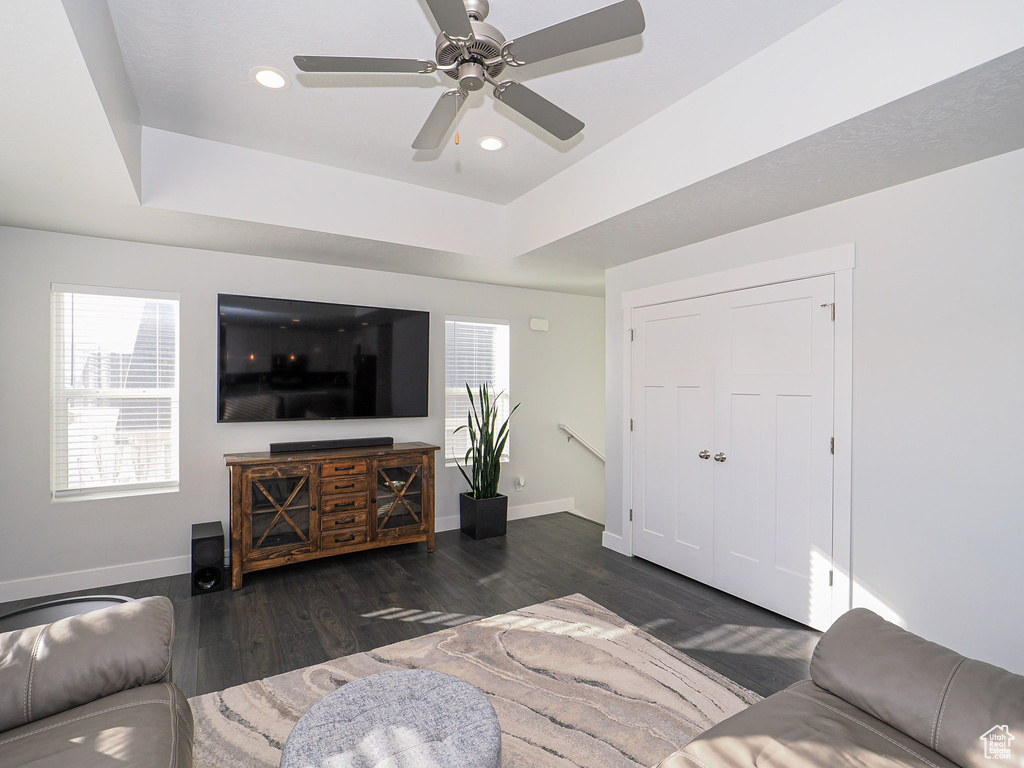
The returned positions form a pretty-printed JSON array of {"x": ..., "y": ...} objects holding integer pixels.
[{"x": 207, "y": 558}]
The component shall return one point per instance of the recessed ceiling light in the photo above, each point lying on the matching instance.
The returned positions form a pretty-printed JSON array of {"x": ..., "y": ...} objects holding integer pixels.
[
  {"x": 492, "y": 143},
  {"x": 269, "y": 77}
]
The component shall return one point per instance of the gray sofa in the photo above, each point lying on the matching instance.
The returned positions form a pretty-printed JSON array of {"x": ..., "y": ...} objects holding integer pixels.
[
  {"x": 878, "y": 696},
  {"x": 94, "y": 691}
]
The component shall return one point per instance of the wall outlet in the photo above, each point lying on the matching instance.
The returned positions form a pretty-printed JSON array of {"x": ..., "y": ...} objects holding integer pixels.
[{"x": 520, "y": 482}]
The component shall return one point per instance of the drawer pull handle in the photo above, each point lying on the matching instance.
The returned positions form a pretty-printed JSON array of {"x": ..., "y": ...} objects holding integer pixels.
[
  {"x": 349, "y": 468},
  {"x": 346, "y": 521},
  {"x": 345, "y": 504},
  {"x": 339, "y": 540},
  {"x": 343, "y": 487}
]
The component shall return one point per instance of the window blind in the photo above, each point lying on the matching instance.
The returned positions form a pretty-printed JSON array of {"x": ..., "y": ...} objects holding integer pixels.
[
  {"x": 476, "y": 352},
  {"x": 114, "y": 391}
]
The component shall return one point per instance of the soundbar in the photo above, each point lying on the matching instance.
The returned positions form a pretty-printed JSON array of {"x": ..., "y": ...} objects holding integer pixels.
[{"x": 331, "y": 445}]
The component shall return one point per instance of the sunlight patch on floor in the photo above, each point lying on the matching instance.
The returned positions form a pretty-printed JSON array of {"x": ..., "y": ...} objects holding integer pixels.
[
  {"x": 414, "y": 615},
  {"x": 752, "y": 641},
  {"x": 555, "y": 627},
  {"x": 650, "y": 626},
  {"x": 507, "y": 621}
]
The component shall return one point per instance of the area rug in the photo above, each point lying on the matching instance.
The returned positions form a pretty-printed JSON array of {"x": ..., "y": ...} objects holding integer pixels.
[{"x": 572, "y": 683}]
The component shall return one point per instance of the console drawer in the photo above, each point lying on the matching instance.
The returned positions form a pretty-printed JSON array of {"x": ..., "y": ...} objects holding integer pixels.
[
  {"x": 335, "y": 468},
  {"x": 343, "y": 538},
  {"x": 348, "y": 502},
  {"x": 339, "y": 521},
  {"x": 342, "y": 484}
]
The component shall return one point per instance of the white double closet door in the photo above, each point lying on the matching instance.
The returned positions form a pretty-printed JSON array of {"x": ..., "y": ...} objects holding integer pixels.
[{"x": 732, "y": 471}]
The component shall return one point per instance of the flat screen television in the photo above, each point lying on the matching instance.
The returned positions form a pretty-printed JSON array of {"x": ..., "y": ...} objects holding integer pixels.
[{"x": 281, "y": 359}]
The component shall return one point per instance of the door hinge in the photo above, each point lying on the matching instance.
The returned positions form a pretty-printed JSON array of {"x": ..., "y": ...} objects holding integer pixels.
[
  {"x": 631, "y": 515},
  {"x": 832, "y": 446},
  {"x": 631, "y": 334},
  {"x": 831, "y": 306},
  {"x": 830, "y": 578},
  {"x": 630, "y": 425}
]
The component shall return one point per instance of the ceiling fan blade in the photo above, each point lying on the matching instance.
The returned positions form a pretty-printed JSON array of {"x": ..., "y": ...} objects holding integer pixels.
[
  {"x": 613, "y": 22},
  {"x": 535, "y": 107},
  {"x": 360, "y": 64},
  {"x": 451, "y": 17},
  {"x": 441, "y": 118}
]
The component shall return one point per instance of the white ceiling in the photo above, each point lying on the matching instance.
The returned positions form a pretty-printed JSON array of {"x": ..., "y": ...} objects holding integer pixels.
[
  {"x": 189, "y": 60},
  {"x": 137, "y": 120}
]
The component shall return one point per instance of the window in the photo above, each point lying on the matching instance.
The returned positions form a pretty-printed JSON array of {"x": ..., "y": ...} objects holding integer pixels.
[
  {"x": 475, "y": 352},
  {"x": 115, "y": 392}
]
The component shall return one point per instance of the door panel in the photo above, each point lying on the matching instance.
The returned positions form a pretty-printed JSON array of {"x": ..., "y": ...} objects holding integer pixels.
[
  {"x": 692, "y": 526},
  {"x": 739, "y": 478},
  {"x": 659, "y": 454},
  {"x": 793, "y": 482},
  {"x": 771, "y": 338}
]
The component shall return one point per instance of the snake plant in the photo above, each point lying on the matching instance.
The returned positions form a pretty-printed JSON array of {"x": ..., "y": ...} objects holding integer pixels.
[{"x": 487, "y": 441}]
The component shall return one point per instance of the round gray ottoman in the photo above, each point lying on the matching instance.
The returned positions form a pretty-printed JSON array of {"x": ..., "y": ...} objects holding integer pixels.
[{"x": 416, "y": 718}]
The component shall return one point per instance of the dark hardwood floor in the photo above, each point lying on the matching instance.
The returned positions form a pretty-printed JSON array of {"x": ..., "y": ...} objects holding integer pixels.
[{"x": 303, "y": 614}]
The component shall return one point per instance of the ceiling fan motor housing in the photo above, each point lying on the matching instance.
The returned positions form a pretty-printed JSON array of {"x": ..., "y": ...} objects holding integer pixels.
[
  {"x": 477, "y": 9},
  {"x": 486, "y": 45}
]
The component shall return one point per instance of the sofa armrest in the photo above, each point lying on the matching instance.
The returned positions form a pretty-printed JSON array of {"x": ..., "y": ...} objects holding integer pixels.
[
  {"x": 51, "y": 668},
  {"x": 938, "y": 697}
]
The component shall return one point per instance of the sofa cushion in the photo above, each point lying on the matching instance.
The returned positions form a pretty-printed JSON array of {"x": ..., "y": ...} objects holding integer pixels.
[
  {"x": 982, "y": 702},
  {"x": 145, "y": 727},
  {"x": 50, "y": 668},
  {"x": 929, "y": 692},
  {"x": 804, "y": 726}
]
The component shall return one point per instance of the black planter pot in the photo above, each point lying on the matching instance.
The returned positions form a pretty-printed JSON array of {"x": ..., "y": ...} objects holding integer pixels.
[{"x": 483, "y": 518}]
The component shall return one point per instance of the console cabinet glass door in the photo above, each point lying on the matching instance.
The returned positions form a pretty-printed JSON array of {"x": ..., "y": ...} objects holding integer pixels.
[
  {"x": 280, "y": 508},
  {"x": 399, "y": 497}
]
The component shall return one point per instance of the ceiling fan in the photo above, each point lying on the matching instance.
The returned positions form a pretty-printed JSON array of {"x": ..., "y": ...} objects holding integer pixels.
[{"x": 475, "y": 54}]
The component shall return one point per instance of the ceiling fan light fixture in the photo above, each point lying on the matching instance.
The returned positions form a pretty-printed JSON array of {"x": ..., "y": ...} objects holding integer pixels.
[
  {"x": 492, "y": 143},
  {"x": 271, "y": 78},
  {"x": 471, "y": 76}
]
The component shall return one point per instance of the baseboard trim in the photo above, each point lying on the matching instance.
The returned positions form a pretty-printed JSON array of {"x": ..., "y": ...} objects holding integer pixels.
[
  {"x": 93, "y": 578},
  {"x": 518, "y": 512},
  {"x": 584, "y": 516},
  {"x": 446, "y": 523},
  {"x": 524, "y": 511},
  {"x": 614, "y": 542}
]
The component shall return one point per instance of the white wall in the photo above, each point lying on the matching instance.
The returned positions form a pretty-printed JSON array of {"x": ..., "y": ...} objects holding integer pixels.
[
  {"x": 557, "y": 375},
  {"x": 938, "y": 416}
]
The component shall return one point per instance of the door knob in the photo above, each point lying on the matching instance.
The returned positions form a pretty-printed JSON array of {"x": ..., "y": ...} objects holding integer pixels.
[
  {"x": 705, "y": 454},
  {"x": 719, "y": 457}
]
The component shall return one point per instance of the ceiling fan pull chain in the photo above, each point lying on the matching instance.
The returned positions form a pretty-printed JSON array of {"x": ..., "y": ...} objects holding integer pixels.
[{"x": 458, "y": 115}]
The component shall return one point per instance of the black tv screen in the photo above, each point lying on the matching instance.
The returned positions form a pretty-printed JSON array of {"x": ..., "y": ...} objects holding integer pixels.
[{"x": 281, "y": 359}]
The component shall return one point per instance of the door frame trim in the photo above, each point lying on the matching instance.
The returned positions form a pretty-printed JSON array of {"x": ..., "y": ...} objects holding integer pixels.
[{"x": 838, "y": 261}]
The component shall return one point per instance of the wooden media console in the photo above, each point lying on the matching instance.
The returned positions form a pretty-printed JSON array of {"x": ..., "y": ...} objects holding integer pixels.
[{"x": 291, "y": 507}]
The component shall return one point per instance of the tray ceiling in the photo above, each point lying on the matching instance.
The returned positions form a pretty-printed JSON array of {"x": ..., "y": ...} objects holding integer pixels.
[{"x": 137, "y": 120}]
